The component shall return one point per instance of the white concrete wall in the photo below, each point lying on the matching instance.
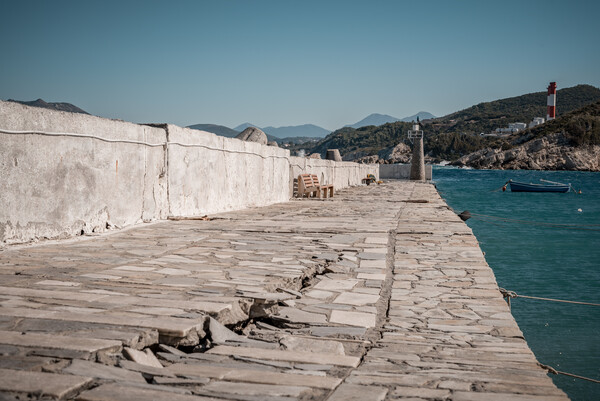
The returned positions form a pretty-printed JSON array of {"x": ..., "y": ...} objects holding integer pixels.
[
  {"x": 220, "y": 174},
  {"x": 60, "y": 186},
  {"x": 401, "y": 171}
]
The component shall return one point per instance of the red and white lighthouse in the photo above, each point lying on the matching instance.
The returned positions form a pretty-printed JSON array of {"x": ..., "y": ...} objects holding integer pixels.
[{"x": 551, "y": 101}]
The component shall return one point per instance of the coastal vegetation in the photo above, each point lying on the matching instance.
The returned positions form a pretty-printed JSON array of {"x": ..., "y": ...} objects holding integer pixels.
[
  {"x": 570, "y": 142},
  {"x": 459, "y": 134}
]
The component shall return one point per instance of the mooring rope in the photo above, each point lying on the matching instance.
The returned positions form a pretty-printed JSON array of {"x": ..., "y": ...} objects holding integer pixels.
[
  {"x": 550, "y": 369},
  {"x": 512, "y": 294}
]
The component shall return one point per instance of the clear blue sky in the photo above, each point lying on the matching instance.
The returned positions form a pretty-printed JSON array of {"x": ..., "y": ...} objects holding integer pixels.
[{"x": 283, "y": 62}]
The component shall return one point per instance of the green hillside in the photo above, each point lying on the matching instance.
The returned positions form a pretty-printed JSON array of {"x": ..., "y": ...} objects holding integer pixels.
[
  {"x": 581, "y": 127},
  {"x": 485, "y": 117},
  {"x": 457, "y": 134},
  {"x": 369, "y": 139}
]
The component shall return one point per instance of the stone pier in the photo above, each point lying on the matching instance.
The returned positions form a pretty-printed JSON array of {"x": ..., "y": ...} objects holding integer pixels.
[{"x": 379, "y": 293}]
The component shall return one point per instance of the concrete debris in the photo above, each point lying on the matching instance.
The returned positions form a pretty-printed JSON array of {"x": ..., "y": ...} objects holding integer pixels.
[
  {"x": 220, "y": 334},
  {"x": 145, "y": 357}
]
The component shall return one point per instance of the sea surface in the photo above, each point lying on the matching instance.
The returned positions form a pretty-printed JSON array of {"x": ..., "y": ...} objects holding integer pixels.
[{"x": 560, "y": 262}]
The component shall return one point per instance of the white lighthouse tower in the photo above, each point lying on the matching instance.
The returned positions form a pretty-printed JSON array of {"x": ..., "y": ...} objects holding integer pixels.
[{"x": 417, "y": 163}]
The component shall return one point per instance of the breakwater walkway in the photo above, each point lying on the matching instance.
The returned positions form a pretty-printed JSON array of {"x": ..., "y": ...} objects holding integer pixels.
[{"x": 379, "y": 293}]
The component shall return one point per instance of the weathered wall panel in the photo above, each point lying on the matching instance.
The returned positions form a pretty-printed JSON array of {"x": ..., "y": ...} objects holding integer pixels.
[{"x": 52, "y": 186}]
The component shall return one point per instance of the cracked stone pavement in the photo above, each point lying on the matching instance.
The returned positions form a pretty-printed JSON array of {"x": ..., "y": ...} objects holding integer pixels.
[{"x": 379, "y": 293}]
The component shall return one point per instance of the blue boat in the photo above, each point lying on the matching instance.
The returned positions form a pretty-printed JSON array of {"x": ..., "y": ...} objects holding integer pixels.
[{"x": 547, "y": 186}]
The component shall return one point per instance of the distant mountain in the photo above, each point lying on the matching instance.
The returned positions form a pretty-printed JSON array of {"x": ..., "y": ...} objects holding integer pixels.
[
  {"x": 216, "y": 129},
  {"x": 293, "y": 131},
  {"x": 53, "y": 106},
  {"x": 380, "y": 119},
  {"x": 423, "y": 115},
  {"x": 374, "y": 119},
  {"x": 305, "y": 130},
  {"x": 243, "y": 126}
]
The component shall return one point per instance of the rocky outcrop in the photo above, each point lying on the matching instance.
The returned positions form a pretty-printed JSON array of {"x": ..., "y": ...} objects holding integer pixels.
[
  {"x": 253, "y": 134},
  {"x": 552, "y": 152},
  {"x": 400, "y": 153}
]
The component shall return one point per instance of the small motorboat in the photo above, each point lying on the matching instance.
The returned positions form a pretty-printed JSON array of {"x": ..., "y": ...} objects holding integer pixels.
[{"x": 546, "y": 186}]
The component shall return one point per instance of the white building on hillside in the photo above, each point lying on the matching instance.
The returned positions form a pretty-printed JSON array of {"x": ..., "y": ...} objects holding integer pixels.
[
  {"x": 536, "y": 121},
  {"x": 512, "y": 128}
]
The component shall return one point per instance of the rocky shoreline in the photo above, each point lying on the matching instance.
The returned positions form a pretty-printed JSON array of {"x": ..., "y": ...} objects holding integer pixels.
[{"x": 552, "y": 152}]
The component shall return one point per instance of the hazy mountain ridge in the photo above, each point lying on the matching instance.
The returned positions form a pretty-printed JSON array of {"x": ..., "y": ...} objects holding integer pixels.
[
  {"x": 52, "y": 106},
  {"x": 215, "y": 129},
  {"x": 377, "y": 119}
]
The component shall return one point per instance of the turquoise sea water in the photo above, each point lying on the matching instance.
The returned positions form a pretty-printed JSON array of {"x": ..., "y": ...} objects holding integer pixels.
[{"x": 541, "y": 261}]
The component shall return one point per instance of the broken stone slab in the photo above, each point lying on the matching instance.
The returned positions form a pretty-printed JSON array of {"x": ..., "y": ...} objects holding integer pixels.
[
  {"x": 59, "y": 283},
  {"x": 101, "y": 371},
  {"x": 420, "y": 392},
  {"x": 133, "y": 339},
  {"x": 294, "y": 315},
  {"x": 338, "y": 332},
  {"x": 254, "y": 376},
  {"x": 252, "y": 389},
  {"x": 221, "y": 335},
  {"x": 355, "y": 392},
  {"x": 373, "y": 263},
  {"x": 145, "y": 357},
  {"x": 312, "y": 367},
  {"x": 486, "y": 396},
  {"x": 120, "y": 392},
  {"x": 339, "y": 285},
  {"x": 319, "y": 294},
  {"x": 275, "y": 364},
  {"x": 53, "y": 341},
  {"x": 267, "y": 296},
  {"x": 371, "y": 276},
  {"x": 295, "y": 293},
  {"x": 171, "y": 350},
  {"x": 177, "y": 381},
  {"x": 291, "y": 356},
  {"x": 371, "y": 256},
  {"x": 23, "y": 362},
  {"x": 294, "y": 343},
  {"x": 172, "y": 328},
  {"x": 211, "y": 371},
  {"x": 359, "y": 319},
  {"x": 166, "y": 356},
  {"x": 262, "y": 377},
  {"x": 353, "y": 298},
  {"x": 144, "y": 369},
  {"x": 376, "y": 240},
  {"x": 266, "y": 326},
  {"x": 49, "y": 384}
]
